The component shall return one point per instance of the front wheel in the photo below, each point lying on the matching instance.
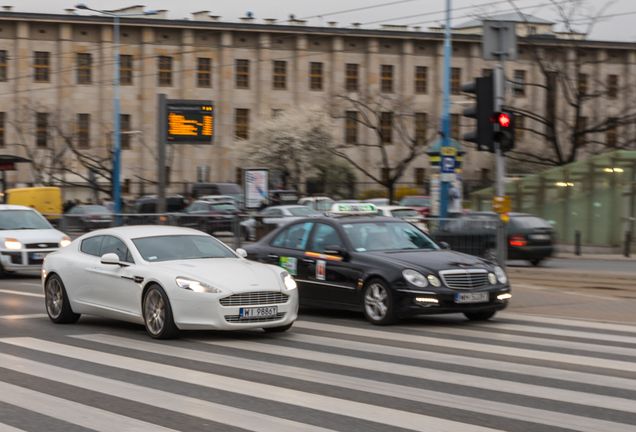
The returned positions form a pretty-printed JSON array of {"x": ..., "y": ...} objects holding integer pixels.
[
  {"x": 535, "y": 262},
  {"x": 58, "y": 306},
  {"x": 158, "y": 314},
  {"x": 479, "y": 316},
  {"x": 280, "y": 329},
  {"x": 378, "y": 304}
]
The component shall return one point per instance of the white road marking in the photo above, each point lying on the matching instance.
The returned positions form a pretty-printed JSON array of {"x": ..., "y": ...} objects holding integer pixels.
[
  {"x": 39, "y": 285},
  {"x": 22, "y": 293},
  {"x": 571, "y": 322},
  {"x": 19, "y": 317},
  {"x": 551, "y": 418},
  {"x": 473, "y": 346},
  {"x": 7, "y": 428},
  {"x": 338, "y": 406},
  {"x": 73, "y": 412},
  {"x": 573, "y": 293}
]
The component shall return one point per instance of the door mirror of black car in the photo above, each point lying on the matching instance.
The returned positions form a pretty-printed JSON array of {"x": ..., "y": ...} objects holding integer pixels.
[
  {"x": 444, "y": 245},
  {"x": 336, "y": 250}
]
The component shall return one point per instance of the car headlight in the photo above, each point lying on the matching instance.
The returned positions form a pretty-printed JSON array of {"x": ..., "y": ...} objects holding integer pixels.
[
  {"x": 501, "y": 275},
  {"x": 12, "y": 244},
  {"x": 433, "y": 280},
  {"x": 415, "y": 278},
  {"x": 194, "y": 285},
  {"x": 492, "y": 278},
  {"x": 288, "y": 281},
  {"x": 65, "y": 242}
]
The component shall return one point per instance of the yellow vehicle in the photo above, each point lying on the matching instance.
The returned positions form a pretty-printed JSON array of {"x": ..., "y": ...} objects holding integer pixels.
[{"x": 46, "y": 200}]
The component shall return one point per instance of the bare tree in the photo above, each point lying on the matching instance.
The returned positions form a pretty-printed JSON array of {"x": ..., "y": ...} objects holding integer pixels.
[{"x": 389, "y": 142}]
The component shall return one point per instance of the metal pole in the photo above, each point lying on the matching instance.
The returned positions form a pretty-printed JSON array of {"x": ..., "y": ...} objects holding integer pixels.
[
  {"x": 161, "y": 154},
  {"x": 116, "y": 126},
  {"x": 443, "y": 211},
  {"x": 500, "y": 101}
]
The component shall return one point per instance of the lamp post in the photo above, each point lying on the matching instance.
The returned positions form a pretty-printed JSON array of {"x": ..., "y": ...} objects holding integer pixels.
[{"x": 116, "y": 120}]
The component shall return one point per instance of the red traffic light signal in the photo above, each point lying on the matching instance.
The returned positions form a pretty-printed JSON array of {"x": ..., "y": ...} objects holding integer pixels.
[
  {"x": 504, "y": 130},
  {"x": 504, "y": 120}
]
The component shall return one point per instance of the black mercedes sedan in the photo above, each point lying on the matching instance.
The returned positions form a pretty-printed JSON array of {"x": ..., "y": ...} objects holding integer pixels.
[{"x": 384, "y": 267}]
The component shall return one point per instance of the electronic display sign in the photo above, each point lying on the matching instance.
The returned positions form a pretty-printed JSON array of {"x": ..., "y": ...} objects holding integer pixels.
[{"x": 190, "y": 122}]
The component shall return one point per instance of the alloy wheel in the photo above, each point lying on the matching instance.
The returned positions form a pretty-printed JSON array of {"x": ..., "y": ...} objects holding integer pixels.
[
  {"x": 376, "y": 302},
  {"x": 154, "y": 312},
  {"x": 54, "y": 298}
]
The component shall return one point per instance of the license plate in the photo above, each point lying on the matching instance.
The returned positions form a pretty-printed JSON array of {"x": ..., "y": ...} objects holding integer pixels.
[
  {"x": 38, "y": 255},
  {"x": 258, "y": 312},
  {"x": 480, "y": 297},
  {"x": 539, "y": 236}
]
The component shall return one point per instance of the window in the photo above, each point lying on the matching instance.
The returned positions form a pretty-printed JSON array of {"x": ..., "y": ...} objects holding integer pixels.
[
  {"x": 486, "y": 72},
  {"x": 125, "y": 188},
  {"x": 454, "y": 129},
  {"x": 532, "y": 30},
  {"x": 351, "y": 74},
  {"x": 386, "y": 127},
  {"x": 126, "y": 70},
  {"x": 124, "y": 126},
  {"x": 165, "y": 71},
  {"x": 519, "y": 86},
  {"x": 238, "y": 176},
  {"x": 1, "y": 129},
  {"x": 386, "y": 79},
  {"x": 41, "y": 129},
  {"x": 83, "y": 130},
  {"x": 3, "y": 65},
  {"x": 294, "y": 237},
  {"x": 384, "y": 174},
  {"x": 582, "y": 84},
  {"x": 324, "y": 236},
  {"x": 456, "y": 76},
  {"x": 277, "y": 113},
  {"x": 41, "y": 64},
  {"x": 611, "y": 132},
  {"x": 83, "y": 68},
  {"x": 204, "y": 72},
  {"x": 581, "y": 125},
  {"x": 241, "y": 126},
  {"x": 112, "y": 244},
  {"x": 351, "y": 127},
  {"x": 419, "y": 176},
  {"x": 242, "y": 74},
  {"x": 519, "y": 127},
  {"x": 421, "y": 79},
  {"x": 612, "y": 86},
  {"x": 280, "y": 75},
  {"x": 315, "y": 76},
  {"x": 92, "y": 245},
  {"x": 421, "y": 122}
]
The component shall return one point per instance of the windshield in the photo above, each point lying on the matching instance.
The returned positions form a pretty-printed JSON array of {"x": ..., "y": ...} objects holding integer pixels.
[
  {"x": 22, "y": 219},
  {"x": 181, "y": 247},
  {"x": 405, "y": 213},
  {"x": 530, "y": 222},
  {"x": 303, "y": 211},
  {"x": 374, "y": 236},
  {"x": 90, "y": 209},
  {"x": 419, "y": 202}
]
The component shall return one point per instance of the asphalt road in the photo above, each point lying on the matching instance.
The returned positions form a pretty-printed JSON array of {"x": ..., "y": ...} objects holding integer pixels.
[
  {"x": 331, "y": 372},
  {"x": 581, "y": 264}
]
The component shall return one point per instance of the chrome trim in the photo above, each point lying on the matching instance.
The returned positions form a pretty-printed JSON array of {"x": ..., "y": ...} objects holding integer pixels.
[
  {"x": 255, "y": 298},
  {"x": 236, "y": 319},
  {"x": 417, "y": 292},
  {"x": 467, "y": 283},
  {"x": 327, "y": 284}
]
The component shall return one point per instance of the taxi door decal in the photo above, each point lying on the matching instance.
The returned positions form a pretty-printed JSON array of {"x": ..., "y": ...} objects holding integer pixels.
[
  {"x": 290, "y": 264},
  {"x": 321, "y": 269}
]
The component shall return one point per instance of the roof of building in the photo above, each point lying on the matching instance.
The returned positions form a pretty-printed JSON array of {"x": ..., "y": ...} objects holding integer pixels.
[{"x": 512, "y": 16}]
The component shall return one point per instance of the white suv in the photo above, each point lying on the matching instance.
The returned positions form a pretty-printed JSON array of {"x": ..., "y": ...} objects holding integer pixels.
[{"x": 26, "y": 237}]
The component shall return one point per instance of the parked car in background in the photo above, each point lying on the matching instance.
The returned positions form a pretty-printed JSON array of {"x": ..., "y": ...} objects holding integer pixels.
[
  {"x": 529, "y": 237},
  {"x": 283, "y": 197},
  {"x": 275, "y": 215},
  {"x": 380, "y": 202},
  {"x": 219, "y": 198},
  {"x": 27, "y": 237},
  {"x": 319, "y": 203},
  {"x": 210, "y": 217},
  {"x": 88, "y": 217},
  {"x": 230, "y": 189},
  {"x": 405, "y": 213},
  {"x": 144, "y": 210},
  {"x": 421, "y": 203}
]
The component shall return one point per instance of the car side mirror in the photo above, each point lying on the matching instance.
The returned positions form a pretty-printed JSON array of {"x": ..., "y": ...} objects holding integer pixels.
[
  {"x": 444, "y": 245},
  {"x": 336, "y": 250},
  {"x": 110, "y": 258},
  {"x": 241, "y": 252}
]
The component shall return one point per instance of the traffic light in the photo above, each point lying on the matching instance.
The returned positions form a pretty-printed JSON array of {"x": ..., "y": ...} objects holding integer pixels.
[
  {"x": 482, "y": 88},
  {"x": 504, "y": 133}
]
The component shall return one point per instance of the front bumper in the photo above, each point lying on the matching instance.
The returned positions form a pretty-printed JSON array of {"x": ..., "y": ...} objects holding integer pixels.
[
  {"x": 211, "y": 315},
  {"x": 23, "y": 259},
  {"x": 408, "y": 306}
]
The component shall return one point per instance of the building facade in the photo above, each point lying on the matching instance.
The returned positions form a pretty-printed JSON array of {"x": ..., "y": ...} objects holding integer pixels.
[{"x": 56, "y": 72}]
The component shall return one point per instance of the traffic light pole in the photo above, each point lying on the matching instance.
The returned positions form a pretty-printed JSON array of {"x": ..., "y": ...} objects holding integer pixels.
[
  {"x": 446, "y": 108},
  {"x": 500, "y": 101}
]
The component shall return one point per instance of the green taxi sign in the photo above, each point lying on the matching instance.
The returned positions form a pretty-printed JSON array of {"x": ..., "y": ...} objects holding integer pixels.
[{"x": 354, "y": 208}]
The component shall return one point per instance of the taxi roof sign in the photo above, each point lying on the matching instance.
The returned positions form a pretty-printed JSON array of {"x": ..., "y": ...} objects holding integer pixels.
[{"x": 351, "y": 209}]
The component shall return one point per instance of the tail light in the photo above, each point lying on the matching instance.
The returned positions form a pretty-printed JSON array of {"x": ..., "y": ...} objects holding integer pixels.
[
  {"x": 215, "y": 214},
  {"x": 517, "y": 240}
]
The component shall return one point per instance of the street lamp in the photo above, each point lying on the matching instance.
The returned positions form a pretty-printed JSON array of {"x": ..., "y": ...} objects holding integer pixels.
[{"x": 116, "y": 126}]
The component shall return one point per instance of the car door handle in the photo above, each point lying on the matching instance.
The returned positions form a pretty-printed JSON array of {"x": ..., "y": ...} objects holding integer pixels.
[
  {"x": 308, "y": 261},
  {"x": 272, "y": 256}
]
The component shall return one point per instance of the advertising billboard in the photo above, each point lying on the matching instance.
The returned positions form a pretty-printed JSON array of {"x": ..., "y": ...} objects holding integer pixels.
[{"x": 256, "y": 184}]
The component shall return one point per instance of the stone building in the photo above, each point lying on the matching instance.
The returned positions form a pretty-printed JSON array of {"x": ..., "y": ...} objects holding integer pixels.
[{"x": 59, "y": 68}]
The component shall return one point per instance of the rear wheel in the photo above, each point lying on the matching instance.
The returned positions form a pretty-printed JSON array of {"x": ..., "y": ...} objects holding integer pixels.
[
  {"x": 158, "y": 314},
  {"x": 535, "y": 262},
  {"x": 378, "y": 304},
  {"x": 58, "y": 306},
  {"x": 278, "y": 329},
  {"x": 479, "y": 316}
]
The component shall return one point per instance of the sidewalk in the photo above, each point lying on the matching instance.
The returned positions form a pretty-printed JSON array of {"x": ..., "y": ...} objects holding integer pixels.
[{"x": 595, "y": 257}]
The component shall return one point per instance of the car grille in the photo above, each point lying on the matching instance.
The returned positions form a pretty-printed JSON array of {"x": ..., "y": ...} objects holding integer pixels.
[
  {"x": 42, "y": 245},
  {"x": 465, "y": 279},
  {"x": 16, "y": 257},
  {"x": 237, "y": 318},
  {"x": 255, "y": 298}
]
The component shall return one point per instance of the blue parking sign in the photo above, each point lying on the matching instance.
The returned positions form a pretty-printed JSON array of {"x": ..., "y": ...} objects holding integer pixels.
[{"x": 448, "y": 164}]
